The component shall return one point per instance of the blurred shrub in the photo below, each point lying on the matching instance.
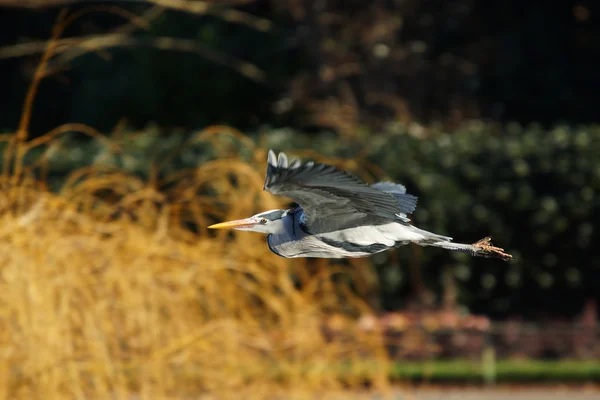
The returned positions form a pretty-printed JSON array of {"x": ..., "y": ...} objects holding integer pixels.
[{"x": 534, "y": 191}]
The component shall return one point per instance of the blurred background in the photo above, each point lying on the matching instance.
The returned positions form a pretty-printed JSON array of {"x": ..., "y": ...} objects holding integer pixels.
[{"x": 129, "y": 126}]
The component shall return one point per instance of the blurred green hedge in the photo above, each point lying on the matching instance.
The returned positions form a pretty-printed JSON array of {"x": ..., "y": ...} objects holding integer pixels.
[
  {"x": 506, "y": 371},
  {"x": 535, "y": 191}
]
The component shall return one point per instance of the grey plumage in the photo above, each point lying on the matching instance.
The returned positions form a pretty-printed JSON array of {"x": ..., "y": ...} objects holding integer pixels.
[
  {"x": 332, "y": 199},
  {"x": 406, "y": 202},
  {"x": 338, "y": 215}
]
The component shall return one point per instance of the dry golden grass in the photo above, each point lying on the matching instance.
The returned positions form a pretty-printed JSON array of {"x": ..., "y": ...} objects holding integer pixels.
[
  {"x": 113, "y": 288},
  {"x": 94, "y": 307}
]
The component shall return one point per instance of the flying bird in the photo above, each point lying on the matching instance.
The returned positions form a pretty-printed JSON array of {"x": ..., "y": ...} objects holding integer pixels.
[{"x": 340, "y": 216}]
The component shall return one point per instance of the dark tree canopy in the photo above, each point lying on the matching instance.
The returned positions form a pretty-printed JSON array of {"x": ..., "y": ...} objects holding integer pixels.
[{"x": 331, "y": 64}]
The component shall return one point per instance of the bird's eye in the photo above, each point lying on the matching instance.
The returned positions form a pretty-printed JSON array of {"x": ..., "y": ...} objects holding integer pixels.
[{"x": 263, "y": 221}]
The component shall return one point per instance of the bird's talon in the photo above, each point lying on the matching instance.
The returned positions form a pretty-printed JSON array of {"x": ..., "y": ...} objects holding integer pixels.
[{"x": 485, "y": 245}]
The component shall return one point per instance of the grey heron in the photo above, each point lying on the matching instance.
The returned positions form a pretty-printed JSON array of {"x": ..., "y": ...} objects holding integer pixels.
[{"x": 340, "y": 216}]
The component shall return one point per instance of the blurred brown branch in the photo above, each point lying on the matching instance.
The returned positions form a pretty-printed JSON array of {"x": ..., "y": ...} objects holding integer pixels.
[
  {"x": 97, "y": 42},
  {"x": 217, "y": 9},
  {"x": 37, "y": 3},
  {"x": 72, "y": 48},
  {"x": 187, "y": 5},
  {"x": 220, "y": 9}
]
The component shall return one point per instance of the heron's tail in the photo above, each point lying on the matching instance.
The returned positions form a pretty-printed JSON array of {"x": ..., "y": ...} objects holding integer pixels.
[{"x": 481, "y": 248}]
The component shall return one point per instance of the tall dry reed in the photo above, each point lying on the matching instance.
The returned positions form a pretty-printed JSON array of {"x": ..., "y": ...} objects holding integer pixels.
[
  {"x": 113, "y": 287},
  {"x": 105, "y": 300}
]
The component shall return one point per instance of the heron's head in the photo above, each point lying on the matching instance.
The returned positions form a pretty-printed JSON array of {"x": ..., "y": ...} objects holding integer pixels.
[{"x": 271, "y": 221}]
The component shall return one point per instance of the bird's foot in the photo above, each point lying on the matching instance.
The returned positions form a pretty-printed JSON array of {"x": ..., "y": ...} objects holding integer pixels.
[{"x": 484, "y": 247}]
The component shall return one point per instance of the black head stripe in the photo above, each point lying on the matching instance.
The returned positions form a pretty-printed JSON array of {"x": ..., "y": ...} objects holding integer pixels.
[{"x": 273, "y": 215}]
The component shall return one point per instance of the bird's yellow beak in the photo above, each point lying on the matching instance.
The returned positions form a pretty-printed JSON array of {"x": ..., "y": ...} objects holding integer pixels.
[{"x": 238, "y": 223}]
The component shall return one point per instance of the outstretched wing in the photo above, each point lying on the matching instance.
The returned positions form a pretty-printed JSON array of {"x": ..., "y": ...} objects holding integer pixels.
[
  {"x": 406, "y": 202},
  {"x": 331, "y": 199}
]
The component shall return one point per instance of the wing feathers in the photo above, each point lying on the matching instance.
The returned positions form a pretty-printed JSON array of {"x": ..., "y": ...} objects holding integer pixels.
[
  {"x": 390, "y": 187},
  {"x": 272, "y": 159},
  {"x": 333, "y": 199},
  {"x": 406, "y": 202},
  {"x": 282, "y": 161}
]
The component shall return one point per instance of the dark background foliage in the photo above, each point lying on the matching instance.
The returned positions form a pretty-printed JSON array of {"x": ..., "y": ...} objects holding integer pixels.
[
  {"x": 378, "y": 72},
  {"x": 370, "y": 61}
]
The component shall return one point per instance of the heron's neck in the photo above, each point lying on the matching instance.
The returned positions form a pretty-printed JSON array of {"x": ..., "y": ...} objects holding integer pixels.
[{"x": 283, "y": 226}]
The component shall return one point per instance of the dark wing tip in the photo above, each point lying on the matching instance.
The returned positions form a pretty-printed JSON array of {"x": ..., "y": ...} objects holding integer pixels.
[{"x": 276, "y": 165}]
